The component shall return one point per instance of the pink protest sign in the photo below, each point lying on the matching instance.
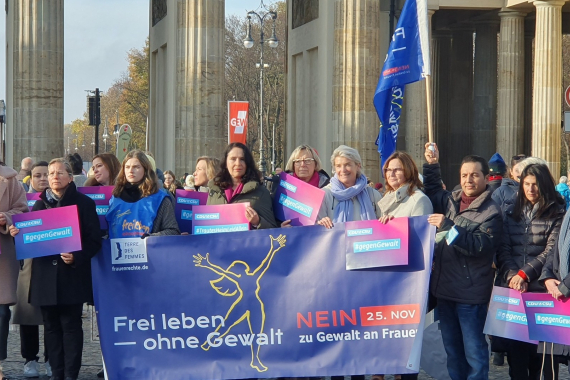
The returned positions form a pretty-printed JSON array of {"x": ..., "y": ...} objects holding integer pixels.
[
  {"x": 548, "y": 318},
  {"x": 296, "y": 200},
  {"x": 185, "y": 201},
  {"x": 47, "y": 232},
  {"x": 32, "y": 198},
  {"x": 506, "y": 316},
  {"x": 101, "y": 195},
  {"x": 219, "y": 218},
  {"x": 371, "y": 244}
]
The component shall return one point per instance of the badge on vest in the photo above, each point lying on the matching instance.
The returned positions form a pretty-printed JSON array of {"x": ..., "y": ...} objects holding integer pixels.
[{"x": 128, "y": 251}]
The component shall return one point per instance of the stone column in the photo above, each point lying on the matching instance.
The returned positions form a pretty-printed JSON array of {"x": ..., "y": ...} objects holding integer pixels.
[
  {"x": 510, "y": 109},
  {"x": 199, "y": 128},
  {"x": 441, "y": 50},
  {"x": 415, "y": 116},
  {"x": 547, "y": 93},
  {"x": 460, "y": 103},
  {"x": 484, "y": 129},
  {"x": 528, "y": 80},
  {"x": 34, "y": 80},
  {"x": 357, "y": 62}
]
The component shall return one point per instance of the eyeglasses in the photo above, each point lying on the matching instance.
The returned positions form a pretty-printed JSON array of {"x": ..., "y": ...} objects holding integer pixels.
[
  {"x": 59, "y": 174},
  {"x": 396, "y": 171},
  {"x": 306, "y": 161}
]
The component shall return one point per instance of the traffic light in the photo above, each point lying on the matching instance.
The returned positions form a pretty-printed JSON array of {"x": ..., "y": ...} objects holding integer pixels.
[
  {"x": 91, "y": 109},
  {"x": 94, "y": 108}
]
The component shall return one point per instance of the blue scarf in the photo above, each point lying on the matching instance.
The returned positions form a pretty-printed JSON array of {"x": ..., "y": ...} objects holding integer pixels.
[
  {"x": 564, "y": 246},
  {"x": 343, "y": 212}
]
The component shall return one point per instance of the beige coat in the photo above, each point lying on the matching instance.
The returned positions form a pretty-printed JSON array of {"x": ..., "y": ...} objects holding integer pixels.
[
  {"x": 12, "y": 202},
  {"x": 399, "y": 204},
  {"x": 24, "y": 312}
]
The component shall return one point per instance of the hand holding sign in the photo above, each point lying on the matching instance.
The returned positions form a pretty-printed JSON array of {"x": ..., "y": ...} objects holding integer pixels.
[
  {"x": 13, "y": 230},
  {"x": 252, "y": 216},
  {"x": 552, "y": 287},
  {"x": 68, "y": 258}
]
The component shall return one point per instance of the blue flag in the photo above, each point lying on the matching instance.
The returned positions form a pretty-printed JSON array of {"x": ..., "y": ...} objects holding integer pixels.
[{"x": 407, "y": 61}]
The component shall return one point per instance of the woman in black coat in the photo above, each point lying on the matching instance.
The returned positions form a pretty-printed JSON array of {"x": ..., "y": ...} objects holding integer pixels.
[
  {"x": 530, "y": 232},
  {"x": 60, "y": 284}
]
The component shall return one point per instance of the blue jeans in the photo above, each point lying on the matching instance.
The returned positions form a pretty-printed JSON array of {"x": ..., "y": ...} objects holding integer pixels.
[{"x": 462, "y": 332}]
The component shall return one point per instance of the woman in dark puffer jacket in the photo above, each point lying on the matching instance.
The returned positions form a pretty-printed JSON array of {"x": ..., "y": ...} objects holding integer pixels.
[{"x": 530, "y": 231}]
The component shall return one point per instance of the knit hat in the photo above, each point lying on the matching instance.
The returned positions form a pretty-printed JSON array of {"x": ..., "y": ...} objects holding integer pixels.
[{"x": 497, "y": 165}]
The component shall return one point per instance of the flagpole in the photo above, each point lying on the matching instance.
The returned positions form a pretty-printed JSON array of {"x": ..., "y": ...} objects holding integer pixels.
[{"x": 429, "y": 102}]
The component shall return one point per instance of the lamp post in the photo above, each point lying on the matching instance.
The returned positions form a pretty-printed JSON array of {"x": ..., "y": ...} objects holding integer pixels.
[
  {"x": 263, "y": 15},
  {"x": 2, "y": 128},
  {"x": 105, "y": 133}
]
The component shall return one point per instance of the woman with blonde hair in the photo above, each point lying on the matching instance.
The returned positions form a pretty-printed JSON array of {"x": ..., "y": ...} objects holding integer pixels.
[
  {"x": 206, "y": 168},
  {"x": 305, "y": 164},
  {"x": 136, "y": 190}
]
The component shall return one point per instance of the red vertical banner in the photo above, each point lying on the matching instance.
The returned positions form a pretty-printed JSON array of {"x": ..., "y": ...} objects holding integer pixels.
[{"x": 238, "y": 113}]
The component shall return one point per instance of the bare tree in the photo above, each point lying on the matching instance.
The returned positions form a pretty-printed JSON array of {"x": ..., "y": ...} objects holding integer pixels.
[{"x": 242, "y": 80}]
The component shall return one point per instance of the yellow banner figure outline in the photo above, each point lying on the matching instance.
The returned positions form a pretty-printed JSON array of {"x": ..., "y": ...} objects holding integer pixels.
[{"x": 237, "y": 314}]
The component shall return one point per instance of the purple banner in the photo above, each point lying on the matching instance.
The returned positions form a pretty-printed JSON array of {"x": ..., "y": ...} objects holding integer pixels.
[
  {"x": 506, "y": 316},
  {"x": 548, "y": 319},
  {"x": 32, "y": 198},
  {"x": 101, "y": 195},
  {"x": 371, "y": 244},
  {"x": 185, "y": 201},
  {"x": 47, "y": 232},
  {"x": 296, "y": 200},
  {"x": 219, "y": 218}
]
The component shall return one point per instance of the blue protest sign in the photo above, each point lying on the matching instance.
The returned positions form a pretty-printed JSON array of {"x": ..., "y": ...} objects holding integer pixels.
[{"x": 260, "y": 304}]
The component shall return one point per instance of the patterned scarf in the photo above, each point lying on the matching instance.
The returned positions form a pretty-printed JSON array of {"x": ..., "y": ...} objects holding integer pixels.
[{"x": 344, "y": 210}]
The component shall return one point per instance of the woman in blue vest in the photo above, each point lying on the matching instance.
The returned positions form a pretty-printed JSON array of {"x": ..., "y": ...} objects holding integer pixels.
[{"x": 150, "y": 211}]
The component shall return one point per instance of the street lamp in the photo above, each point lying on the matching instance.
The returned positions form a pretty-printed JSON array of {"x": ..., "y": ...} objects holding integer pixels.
[
  {"x": 105, "y": 134},
  {"x": 248, "y": 42},
  {"x": 2, "y": 130}
]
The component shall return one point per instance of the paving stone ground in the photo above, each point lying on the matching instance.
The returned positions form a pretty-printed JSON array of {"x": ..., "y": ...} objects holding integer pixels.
[{"x": 13, "y": 366}]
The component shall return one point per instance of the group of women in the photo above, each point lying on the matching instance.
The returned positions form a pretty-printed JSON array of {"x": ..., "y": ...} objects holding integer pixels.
[{"x": 51, "y": 290}]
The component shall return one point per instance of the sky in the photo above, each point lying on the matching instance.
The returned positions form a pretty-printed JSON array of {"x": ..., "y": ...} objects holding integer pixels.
[{"x": 97, "y": 36}]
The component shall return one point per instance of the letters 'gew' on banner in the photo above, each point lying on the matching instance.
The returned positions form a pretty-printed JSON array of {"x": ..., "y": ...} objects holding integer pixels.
[
  {"x": 506, "y": 316},
  {"x": 548, "y": 319},
  {"x": 293, "y": 311},
  {"x": 407, "y": 61},
  {"x": 238, "y": 113}
]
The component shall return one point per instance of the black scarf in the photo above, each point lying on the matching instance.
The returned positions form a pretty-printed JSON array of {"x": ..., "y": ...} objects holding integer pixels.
[{"x": 131, "y": 193}]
